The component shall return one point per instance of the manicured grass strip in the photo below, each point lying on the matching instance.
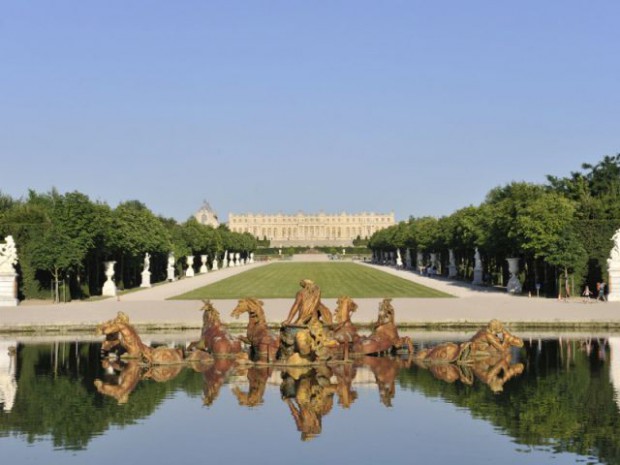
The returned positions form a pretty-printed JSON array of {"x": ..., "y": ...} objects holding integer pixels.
[{"x": 281, "y": 280}]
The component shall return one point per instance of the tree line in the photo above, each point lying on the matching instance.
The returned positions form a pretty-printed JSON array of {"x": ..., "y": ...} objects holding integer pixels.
[
  {"x": 65, "y": 238},
  {"x": 560, "y": 230}
]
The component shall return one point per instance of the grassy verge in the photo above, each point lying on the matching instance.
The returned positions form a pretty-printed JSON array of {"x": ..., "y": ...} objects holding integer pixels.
[{"x": 281, "y": 280}]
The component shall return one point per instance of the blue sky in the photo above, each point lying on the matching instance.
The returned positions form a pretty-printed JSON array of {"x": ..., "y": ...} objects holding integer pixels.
[{"x": 415, "y": 107}]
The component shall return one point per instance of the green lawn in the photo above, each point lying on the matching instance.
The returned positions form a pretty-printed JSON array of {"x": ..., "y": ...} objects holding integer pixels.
[{"x": 281, "y": 280}]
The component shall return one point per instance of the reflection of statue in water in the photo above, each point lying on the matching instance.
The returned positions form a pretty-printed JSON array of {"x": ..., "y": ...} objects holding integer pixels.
[
  {"x": 345, "y": 374},
  {"x": 309, "y": 398},
  {"x": 214, "y": 376},
  {"x": 496, "y": 370},
  {"x": 263, "y": 343},
  {"x": 214, "y": 337},
  {"x": 257, "y": 377},
  {"x": 119, "y": 333},
  {"x": 129, "y": 374},
  {"x": 308, "y": 305},
  {"x": 386, "y": 370},
  {"x": 384, "y": 336}
]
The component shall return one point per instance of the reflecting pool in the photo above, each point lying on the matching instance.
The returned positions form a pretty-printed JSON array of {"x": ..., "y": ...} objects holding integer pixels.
[{"x": 61, "y": 404}]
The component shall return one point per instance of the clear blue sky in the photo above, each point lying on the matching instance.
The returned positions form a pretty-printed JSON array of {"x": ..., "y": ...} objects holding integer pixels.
[{"x": 416, "y": 107}]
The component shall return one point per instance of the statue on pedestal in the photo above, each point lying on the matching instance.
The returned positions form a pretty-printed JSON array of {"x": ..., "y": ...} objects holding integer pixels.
[
  {"x": 408, "y": 259},
  {"x": 215, "y": 266},
  {"x": 203, "y": 267},
  {"x": 170, "y": 268},
  {"x": 8, "y": 276},
  {"x": 477, "y": 268},
  {"x": 225, "y": 260},
  {"x": 399, "y": 259},
  {"x": 146, "y": 273},
  {"x": 452, "y": 272}
]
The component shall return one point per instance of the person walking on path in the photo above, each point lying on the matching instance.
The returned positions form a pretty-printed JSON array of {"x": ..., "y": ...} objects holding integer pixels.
[
  {"x": 601, "y": 291},
  {"x": 587, "y": 293}
]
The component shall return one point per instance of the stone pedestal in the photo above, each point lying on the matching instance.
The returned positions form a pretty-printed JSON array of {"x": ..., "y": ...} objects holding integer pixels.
[
  {"x": 8, "y": 290},
  {"x": 514, "y": 285},
  {"x": 614, "y": 283},
  {"x": 146, "y": 279},
  {"x": 477, "y": 277}
]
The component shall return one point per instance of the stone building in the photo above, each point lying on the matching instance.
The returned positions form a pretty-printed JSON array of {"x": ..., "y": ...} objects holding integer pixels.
[
  {"x": 207, "y": 216},
  {"x": 320, "y": 229}
]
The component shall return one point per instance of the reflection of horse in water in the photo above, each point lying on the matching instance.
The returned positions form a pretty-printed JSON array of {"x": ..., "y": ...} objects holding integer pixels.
[
  {"x": 214, "y": 337},
  {"x": 128, "y": 378},
  {"x": 263, "y": 343},
  {"x": 386, "y": 370},
  {"x": 214, "y": 376},
  {"x": 384, "y": 337},
  {"x": 257, "y": 377}
]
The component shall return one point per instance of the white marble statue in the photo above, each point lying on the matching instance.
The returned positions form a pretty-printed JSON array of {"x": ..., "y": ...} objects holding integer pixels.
[
  {"x": 109, "y": 288},
  {"x": 8, "y": 276},
  {"x": 170, "y": 267},
  {"x": 477, "y": 268},
  {"x": 189, "y": 272},
  {"x": 8, "y": 255},
  {"x": 203, "y": 267},
  {"x": 399, "y": 259},
  {"x": 408, "y": 259},
  {"x": 419, "y": 261},
  {"x": 452, "y": 271},
  {"x": 251, "y": 257},
  {"x": 215, "y": 265},
  {"x": 146, "y": 272},
  {"x": 613, "y": 267},
  {"x": 238, "y": 259},
  {"x": 225, "y": 260},
  {"x": 514, "y": 285}
]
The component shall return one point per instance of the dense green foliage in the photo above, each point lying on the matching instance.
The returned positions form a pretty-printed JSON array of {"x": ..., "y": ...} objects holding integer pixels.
[
  {"x": 63, "y": 239},
  {"x": 560, "y": 231},
  {"x": 281, "y": 280}
]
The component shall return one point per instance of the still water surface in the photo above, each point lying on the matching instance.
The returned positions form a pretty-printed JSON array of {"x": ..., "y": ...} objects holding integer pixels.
[{"x": 562, "y": 408}]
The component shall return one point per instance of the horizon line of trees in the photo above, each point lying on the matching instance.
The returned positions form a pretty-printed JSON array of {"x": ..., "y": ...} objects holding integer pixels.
[
  {"x": 561, "y": 230},
  {"x": 66, "y": 238}
]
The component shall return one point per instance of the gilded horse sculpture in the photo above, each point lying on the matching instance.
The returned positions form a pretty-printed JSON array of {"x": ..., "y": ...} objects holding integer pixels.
[
  {"x": 122, "y": 333},
  {"x": 384, "y": 337},
  {"x": 344, "y": 330},
  {"x": 263, "y": 343},
  {"x": 214, "y": 338}
]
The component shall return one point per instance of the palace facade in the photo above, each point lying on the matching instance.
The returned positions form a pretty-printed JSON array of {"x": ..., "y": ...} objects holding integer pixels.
[{"x": 311, "y": 230}]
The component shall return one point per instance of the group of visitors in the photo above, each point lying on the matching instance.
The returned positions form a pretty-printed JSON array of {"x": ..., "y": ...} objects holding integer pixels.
[{"x": 600, "y": 292}]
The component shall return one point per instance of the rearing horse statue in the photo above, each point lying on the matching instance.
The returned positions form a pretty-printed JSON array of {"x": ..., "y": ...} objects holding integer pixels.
[
  {"x": 344, "y": 331},
  {"x": 214, "y": 337},
  {"x": 384, "y": 336},
  {"x": 264, "y": 343}
]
